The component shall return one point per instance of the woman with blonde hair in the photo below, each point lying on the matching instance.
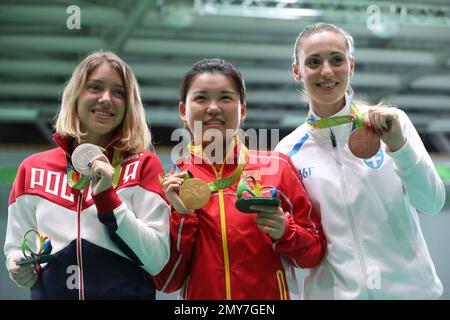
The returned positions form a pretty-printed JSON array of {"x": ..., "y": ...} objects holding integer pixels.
[
  {"x": 108, "y": 225},
  {"x": 367, "y": 173}
]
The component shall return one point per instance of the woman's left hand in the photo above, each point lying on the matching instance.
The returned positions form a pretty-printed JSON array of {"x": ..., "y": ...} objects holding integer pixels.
[
  {"x": 102, "y": 174},
  {"x": 271, "y": 220},
  {"x": 385, "y": 122}
]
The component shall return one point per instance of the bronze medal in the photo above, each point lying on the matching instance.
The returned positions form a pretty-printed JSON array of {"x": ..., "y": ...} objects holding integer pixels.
[
  {"x": 363, "y": 143},
  {"x": 194, "y": 193}
]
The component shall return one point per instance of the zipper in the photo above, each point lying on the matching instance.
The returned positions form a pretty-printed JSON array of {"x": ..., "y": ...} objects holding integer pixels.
[
  {"x": 350, "y": 216},
  {"x": 79, "y": 253},
  {"x": 223, "y": 228},
  {"x": 226, "y": 257},
  {"x": 333, "y": 139}
]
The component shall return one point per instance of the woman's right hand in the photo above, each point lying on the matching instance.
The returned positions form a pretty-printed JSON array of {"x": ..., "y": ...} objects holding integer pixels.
[
  {"x": 385, "y": 122},
  {"x": 171, "y": 185},
  {"x": 24, "y": 275}
]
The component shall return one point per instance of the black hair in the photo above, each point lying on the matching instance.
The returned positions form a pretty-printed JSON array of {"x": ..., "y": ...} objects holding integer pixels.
[{"x": 213, "y": 66}]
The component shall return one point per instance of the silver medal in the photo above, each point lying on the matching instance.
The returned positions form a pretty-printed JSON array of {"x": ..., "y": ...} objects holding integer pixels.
[{"x": 82, "y": 157}]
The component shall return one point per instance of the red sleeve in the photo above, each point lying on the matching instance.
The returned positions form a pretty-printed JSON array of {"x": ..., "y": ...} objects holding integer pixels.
[
  {"x": 151, "y": 170},
  {"x": 303, "y": 243},
  {"x": 108, "y": 200},
  {"x": 183, "y": 233}
]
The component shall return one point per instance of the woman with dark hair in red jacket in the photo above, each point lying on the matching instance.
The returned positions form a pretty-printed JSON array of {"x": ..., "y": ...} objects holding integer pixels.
[{"x": 217, "y": 251}]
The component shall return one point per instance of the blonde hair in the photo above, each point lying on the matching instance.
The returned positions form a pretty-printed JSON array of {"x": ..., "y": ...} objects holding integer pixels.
[{"x": 136, "y": 135}]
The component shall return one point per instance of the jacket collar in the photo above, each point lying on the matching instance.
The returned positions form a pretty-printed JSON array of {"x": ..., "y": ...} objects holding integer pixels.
[
  {"x": 341, "y": 132},
  {"x": 66, "y": 143},
  {"x": 237, "y": 152}
]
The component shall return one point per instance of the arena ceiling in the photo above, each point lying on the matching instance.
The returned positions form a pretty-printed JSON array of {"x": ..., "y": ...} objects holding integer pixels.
[{"x": 402, "y": 55}]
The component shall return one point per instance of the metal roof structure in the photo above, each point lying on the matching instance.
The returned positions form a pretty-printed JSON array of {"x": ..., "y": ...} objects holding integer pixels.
[{"x": 402, "y": 55}]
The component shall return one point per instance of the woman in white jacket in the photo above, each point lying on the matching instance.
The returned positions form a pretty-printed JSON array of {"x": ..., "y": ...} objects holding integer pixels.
[{"x": 367, "y": 202}]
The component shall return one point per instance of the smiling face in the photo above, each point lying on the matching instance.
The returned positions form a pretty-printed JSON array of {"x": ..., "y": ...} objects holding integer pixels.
[
  {"x": 325, "y": 67},
  {"x": 101, "y": 105},
  {"x": 212, "y": 102}
]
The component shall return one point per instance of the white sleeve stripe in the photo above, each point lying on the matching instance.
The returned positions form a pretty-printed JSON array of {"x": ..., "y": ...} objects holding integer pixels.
[
  {"x": 172, "y": 273},
  {"x": 309, "y": 218},
  {"x": 180, "y": 229},
  {"x": 295, "y": 263}
]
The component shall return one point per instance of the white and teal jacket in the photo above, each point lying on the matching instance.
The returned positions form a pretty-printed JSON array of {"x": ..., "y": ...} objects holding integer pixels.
[{"x": 368, "y": 209}]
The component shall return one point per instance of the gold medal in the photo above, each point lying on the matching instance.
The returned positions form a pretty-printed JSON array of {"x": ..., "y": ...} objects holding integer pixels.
[{"x": 194, "y": 193}]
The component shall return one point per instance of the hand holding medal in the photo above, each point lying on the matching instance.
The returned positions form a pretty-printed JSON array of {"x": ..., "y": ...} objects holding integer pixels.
[
  {"x": 83, "y": 156},
  {"x": 171, "y": 186},
  {"x": 385, "y": 123},
  {"x": 89, "y": 160},
  {"x": 81, "y": 162},
  {"x": 194, "y": 193},
  {"x": 375, "y": 124},
  {"x": 379, "y": 123},
  {"x": 363, "y": 142},
  {"x": 187, "y": 193}
]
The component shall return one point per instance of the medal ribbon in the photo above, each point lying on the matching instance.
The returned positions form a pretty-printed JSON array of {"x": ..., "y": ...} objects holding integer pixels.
[
  {"x": 80, "y": 182},
  {"x": 230, "y": 180},
  {"x": 356, "y": 117}
]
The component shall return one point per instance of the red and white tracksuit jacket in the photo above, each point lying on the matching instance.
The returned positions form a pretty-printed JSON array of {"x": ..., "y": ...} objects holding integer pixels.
[
  {"x": 107, "y": 245},
  {"x": 218, "y": 252}
]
